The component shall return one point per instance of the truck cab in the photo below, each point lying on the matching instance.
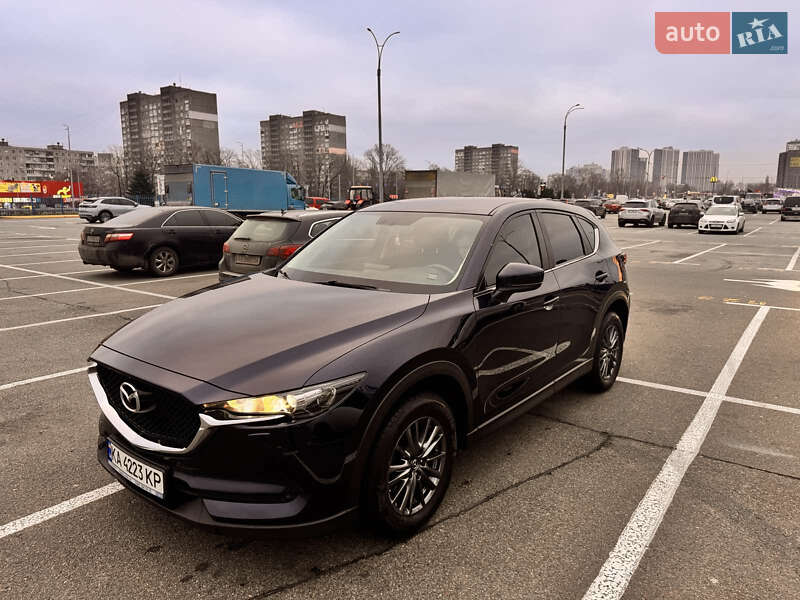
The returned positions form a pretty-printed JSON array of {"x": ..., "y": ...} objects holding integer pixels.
[{"x": 359, "y": 196}]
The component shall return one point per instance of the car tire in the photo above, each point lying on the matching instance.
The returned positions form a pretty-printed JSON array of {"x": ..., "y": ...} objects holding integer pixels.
[
  {"x": 783, "y": 218},
  {"x": 164, "y": 261},
  {"x": 607, "y": 354},
  {"x": 398, "y": 516},
  {"x": 663, "y": 220},
  {"x": 105, "y": 216},
  {"x": 670, "y": 226},
  {"x": 621, "y": 223}
]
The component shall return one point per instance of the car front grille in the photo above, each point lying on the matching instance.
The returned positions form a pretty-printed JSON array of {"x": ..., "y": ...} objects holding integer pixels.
[{"x": 172, "y": 422}]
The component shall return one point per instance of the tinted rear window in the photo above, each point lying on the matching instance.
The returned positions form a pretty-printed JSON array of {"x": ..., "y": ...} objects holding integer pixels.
[
  {"x": 635, "y": 204},
  {"x": 723, "y": 200},
  {"x": 262, "y": 229},
  {"x": 685, "y": 205},
  {"x": 792, "y": 201}
]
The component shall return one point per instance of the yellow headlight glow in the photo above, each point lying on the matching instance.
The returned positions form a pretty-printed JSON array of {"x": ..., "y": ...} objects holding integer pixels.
[{"x": 264, "y": 405}]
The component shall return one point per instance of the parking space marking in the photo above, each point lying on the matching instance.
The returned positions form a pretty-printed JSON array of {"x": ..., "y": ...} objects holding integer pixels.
[
  {"x": 615, "y": 574},
  {"x": 13, "y": 384},
  {"x": 105, "y": 285},
  {"x": 86, "y": 289},
  {"x": 45, "y": 246},
  {"x": 67, "y": 273},
  {"x": 92, "y": 316},
  {"x": 764, "y": 305},
  {"x": 766, "y": 405},
  {"x": 793, "y": 261},
  {"x": 59, "y": 509},
  {"x": 39, "y": 253},
  {"x": 752, "y": 232},
  {"x": 41, "y": 227},
  {"x": 773, "y": 222},
  {"x": 48, "y": 262},
  {"x": 682, "y": 260},
  {"x": 661, "y": 386},
  {"x": 639, "y": 245}
]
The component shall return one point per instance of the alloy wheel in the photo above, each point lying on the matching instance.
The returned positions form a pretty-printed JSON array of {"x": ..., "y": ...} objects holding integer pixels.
[
  {"x": 610, "y": 349},
  {"x": 416, "y": 466},
  {"x": 164, "y": 262}
]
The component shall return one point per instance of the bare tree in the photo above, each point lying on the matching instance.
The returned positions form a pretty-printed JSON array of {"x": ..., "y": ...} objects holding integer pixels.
[
  {"x": 227, "y": 157},
  {"x": 118, "y": 169},
  {"x": 394, "y": 166}
]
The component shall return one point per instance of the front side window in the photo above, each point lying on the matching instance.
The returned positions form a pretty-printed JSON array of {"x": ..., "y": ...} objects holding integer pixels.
[
  {"x": 565, "y": 241},
  {"x": 394, "y": 251},
  {"x": 515, "y": 242}
]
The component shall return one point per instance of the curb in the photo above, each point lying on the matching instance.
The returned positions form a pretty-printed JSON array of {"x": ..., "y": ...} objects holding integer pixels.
[{"x": 39, "y": 217}]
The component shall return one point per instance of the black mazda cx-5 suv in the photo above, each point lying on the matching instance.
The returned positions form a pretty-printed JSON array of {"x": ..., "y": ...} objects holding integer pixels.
[{"x": 345, "y": 380}]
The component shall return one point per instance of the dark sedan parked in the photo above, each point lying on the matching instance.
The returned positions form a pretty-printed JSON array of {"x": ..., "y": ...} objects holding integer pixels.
[
  {"x": 236, "y": 408},
  {"x": 594, "y": 205},
  {"x": 265, "y": 240},
  {"x": 790, "y": 208},
  {"x": 684, "y": 213},
  {"x": 159, "y": 239}
]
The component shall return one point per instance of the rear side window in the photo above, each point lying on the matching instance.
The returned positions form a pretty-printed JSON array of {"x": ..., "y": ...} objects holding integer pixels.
[
  {"x": 516, "y": 242},
  {"x": 217, "y": 218},
  {"x": 266, "y": 230},
  {"x": 320, "y": 226},
  {"x": 587, "y": 234},
  {"x": 565, "y": 241},
  {"x": 186, "y": 218}
]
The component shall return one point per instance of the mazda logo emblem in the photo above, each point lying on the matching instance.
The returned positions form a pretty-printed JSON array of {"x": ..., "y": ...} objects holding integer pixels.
[{"x": 132, "y": 398}]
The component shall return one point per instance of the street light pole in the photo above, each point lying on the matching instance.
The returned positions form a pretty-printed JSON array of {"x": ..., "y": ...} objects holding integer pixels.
[
  {"x": 564, "y": 145},
  {"x": 646, "y": 168},
  {"x": 69, "y": 163},
  {"x": 241, "y": 145},
  {"x": 379, "y": 47}
]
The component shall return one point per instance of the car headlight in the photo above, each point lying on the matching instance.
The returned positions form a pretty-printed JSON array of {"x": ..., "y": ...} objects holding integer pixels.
[{"x": 304, "y": 402}]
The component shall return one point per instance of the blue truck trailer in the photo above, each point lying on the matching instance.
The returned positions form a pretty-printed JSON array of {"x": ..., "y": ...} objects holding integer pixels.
[{"x": 240, "y": 191}]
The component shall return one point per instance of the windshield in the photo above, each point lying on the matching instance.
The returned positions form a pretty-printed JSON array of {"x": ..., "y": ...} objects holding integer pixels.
[
  {"x": 260, "y": 229},
  {"x": 730, "y": 211},
  {"x": 395, "y": 251}
]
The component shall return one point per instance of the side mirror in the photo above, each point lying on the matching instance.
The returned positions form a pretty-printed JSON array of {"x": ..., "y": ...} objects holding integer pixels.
[{"x": 517, "y": 277}]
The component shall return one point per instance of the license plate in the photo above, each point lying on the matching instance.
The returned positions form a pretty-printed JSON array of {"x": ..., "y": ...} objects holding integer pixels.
[
  {"x": 146, "y": 477},
  {"x": 92, "y": 239},
  {"x": 247, "y": 259}
]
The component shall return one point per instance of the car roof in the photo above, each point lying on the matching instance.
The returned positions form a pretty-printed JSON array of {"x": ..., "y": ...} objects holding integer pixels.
[
  {"x": 303, "y": 215},
  {"x": 468, "y": 205}
]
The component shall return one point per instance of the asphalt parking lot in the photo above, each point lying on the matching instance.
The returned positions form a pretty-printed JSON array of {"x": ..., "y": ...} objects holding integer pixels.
[{"x": 693, "y": 455}]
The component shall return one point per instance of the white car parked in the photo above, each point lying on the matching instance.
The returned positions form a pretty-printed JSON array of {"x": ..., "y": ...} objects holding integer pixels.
[
  {"x": 722, "y": 218},
  {"x": 105, "y": 208},
  {"x": 645, "y": 212}
]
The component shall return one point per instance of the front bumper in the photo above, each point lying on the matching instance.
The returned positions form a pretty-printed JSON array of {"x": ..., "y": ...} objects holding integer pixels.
[
  {"x": 718, "y": 227},
  {"x": 109, "y": 256},
  {"x": 275, "y": 476}
]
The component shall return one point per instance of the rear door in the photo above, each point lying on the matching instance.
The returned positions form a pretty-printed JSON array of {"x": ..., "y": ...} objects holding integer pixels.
[
  {"x": 582, "y": 277},
  {"x": 194, "y": 239},
  {"x": 222, "y": 226},
  {"x": 219, "y": 189}
]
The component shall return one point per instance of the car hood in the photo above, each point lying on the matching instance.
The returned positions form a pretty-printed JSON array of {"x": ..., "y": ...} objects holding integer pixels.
[{"x": 259, "y": 334}]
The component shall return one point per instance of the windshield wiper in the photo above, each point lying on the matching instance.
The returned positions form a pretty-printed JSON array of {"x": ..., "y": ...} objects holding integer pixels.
[
  {"x": 282, "y": 272},
  {"x": 356, "y": 286}
]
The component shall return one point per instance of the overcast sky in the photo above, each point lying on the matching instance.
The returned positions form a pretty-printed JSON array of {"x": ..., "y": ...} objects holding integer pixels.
[{"x": 459, "y": 73}]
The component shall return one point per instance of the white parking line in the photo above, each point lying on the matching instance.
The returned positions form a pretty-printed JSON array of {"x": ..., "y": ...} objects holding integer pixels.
[
  {"x": 623, "y": 560},
  {"x": 773, "y": 222},
  {"x": 41, "y": 227},
  {"x": 92, "y": 316},
  {"x": 45, "y": 246},
  {"x": 763, "y": 305},
  {"x": 59, "y": 509},
  {"x": 13, "y": 384},
  {"x": 752, "y": 232},
  {"x": 48, "y": 262},
  {"x": 39, "y": 253},
  {"x": 793, "y": 261},
  {"x": 86, "y": 289},
  {"x": 67, "y": 273},
  {"x": 679, "y": 261},
  {"x": 105, "y": 285},
  {"x": 639, "y": 245}
]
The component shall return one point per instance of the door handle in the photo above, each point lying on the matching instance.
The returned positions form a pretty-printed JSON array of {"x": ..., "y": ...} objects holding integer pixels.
[
  {"x": 600, "y": 276},
  {"x": 550, "y": 302}
]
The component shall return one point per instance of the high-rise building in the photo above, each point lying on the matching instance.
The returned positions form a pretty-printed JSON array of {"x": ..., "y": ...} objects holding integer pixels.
[
  {"x": 307, "y": 146},
  {"x": 628, "y": 166},
  {"x": 697, "y": 169},
  {"x": 500, "y": 159},
  {"x": 30, "y": 163},
  {"x": 789, "y": 166},
  {"x": 665, "y": 167},
  {"x": 175, "y": 126}
]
